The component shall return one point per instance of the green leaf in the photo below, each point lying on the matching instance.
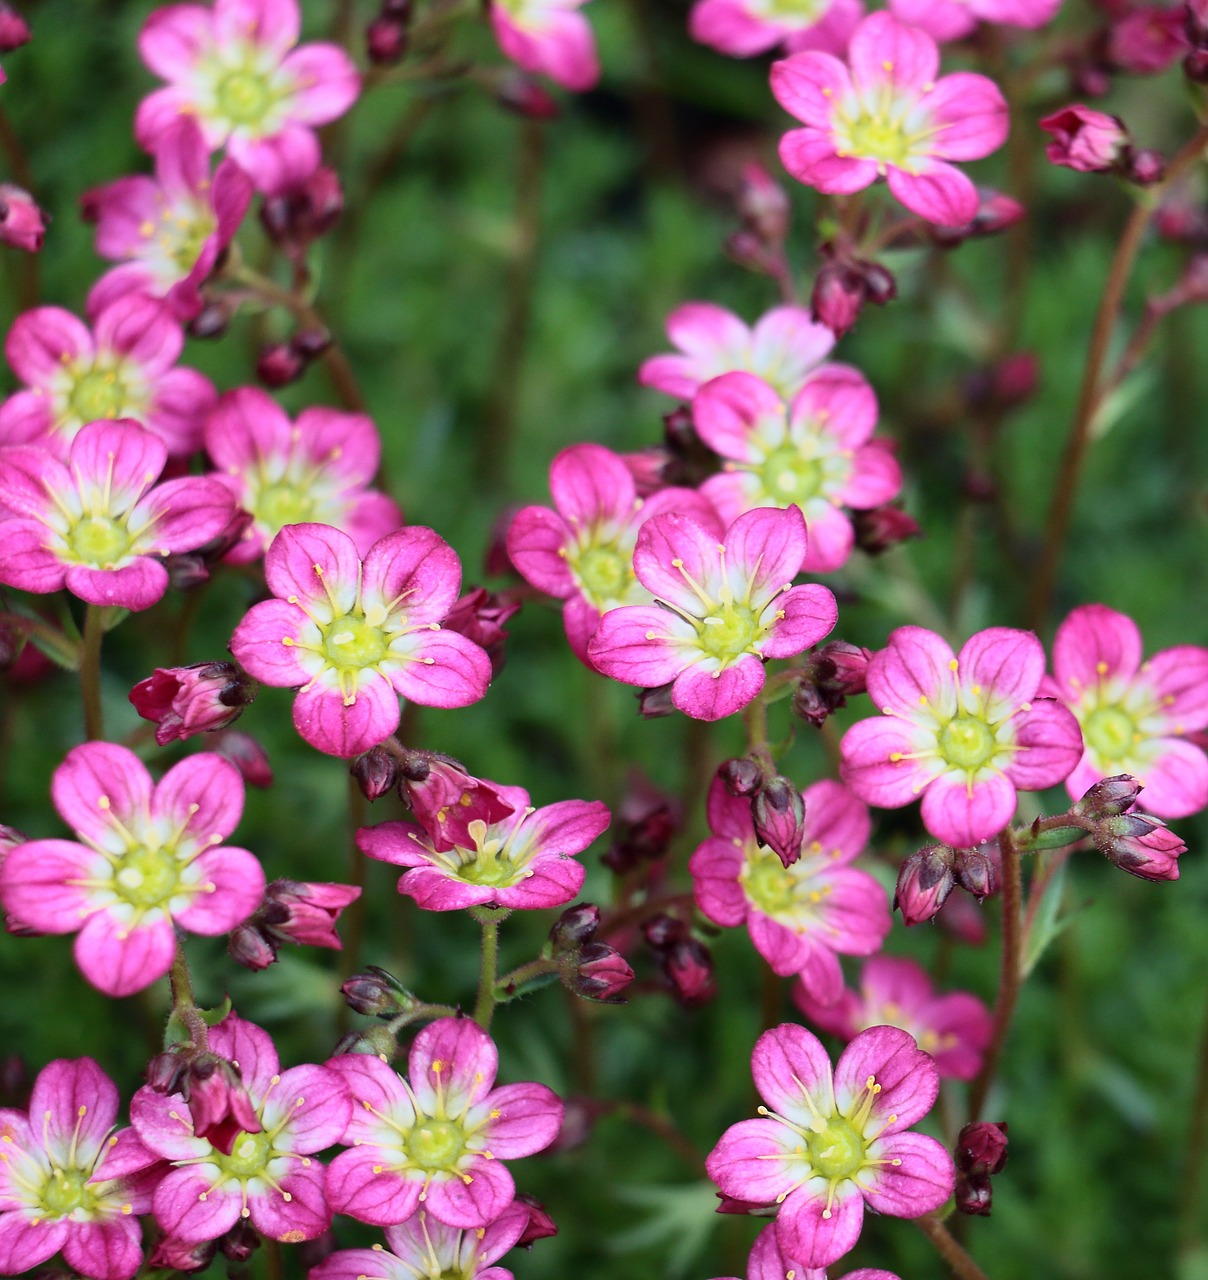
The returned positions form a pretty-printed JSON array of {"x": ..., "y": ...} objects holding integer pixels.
[
  {"x": 1047, "y": 925},
  {"x": 212, "y": 1017},
  {"x": 1056, "y": 838},
  {"x": 680, "y": 1219}
]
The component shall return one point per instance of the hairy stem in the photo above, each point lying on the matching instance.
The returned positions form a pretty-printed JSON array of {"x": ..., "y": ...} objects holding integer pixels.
[
  {"x": 90, "y": 672},
  {"x": 484, "y": 1006},
  {"x": 946, "y": 1246},
  {"x": 354, "y": 913},
  {"x": 184, "y": 1002}
]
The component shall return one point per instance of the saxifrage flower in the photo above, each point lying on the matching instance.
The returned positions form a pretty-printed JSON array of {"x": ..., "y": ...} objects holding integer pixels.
[
  {"x": 743, "y": 28},
  {"x": 548, "y": 37}
]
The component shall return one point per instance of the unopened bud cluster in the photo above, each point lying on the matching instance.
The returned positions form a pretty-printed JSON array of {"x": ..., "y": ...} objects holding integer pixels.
[{"x": 980, "y": 1152}]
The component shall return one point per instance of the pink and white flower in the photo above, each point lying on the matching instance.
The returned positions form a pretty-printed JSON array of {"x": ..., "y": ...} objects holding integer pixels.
[
  {"x": 548, "y": 37},
  {"x": 885, "y": 115},
  {"x": 423, "y": 1246},
  {"x": 524, "y": 860},
  {"x": 234, "y": 68},
  {"x": 782, "y": 348},
  {"x": 721, "y": 610},
  {"x": 150, "y": 859},
  {"x": 124, "y": 367},
  {"x": 167, "y": 231},
  {"x": 582, "y": 552},
  {"x": 767, "y": 1262},
  {"x": 270, "y": 1177},
  {"x": 439, "y": 1138},
  {"x": 315, "y": 469},
  {"x": 801, "y": 918},
  {"x": 100, "y": 524},
  {"x": 1135, "y": 714},
  {"x": 955, "y": 19},
  {"x": 829, "y": 1143},
  {"x": 954, "y": 1028},
  {"x": 743, "y": 28},
  {"x": 965, "y": 732},
  {"x": 816, "y": 453},
  {"x": 353, "y": 637},
  {"x": 68, "y": 1182}
]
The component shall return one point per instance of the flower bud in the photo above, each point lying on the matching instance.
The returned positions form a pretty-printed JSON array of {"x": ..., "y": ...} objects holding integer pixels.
[
  {"x": 961, "y": 919},
  {"x": 22, "y": 223},
  {"x": 881, "y": 528},
  {"x": 307, "y": 212},
  {"x": 211, "y": 321},
  {"x": 1087, "y": 140},
  {"x": 1110, "y": 797},
  {"x": 165, "y": 1071},
  {"x": 1146, "y": 39},
  {"x": 663, "y": 931},
  {"x": 688, "y": 966},
  {"x": 742, "y": 776},
  {"x": 837, "y": 296},
  {"x": 250, "y": 948},
  {"x": 981, "y": 1148},
  {"x": 446, "y": 799},
  {"x": 1140, "y": 844},
  {"x": 239, "y": 1243},
  {"x": 279, "y": 365},
  {"x": 14, "y": 30},
  {"x": 376, "y": 772},
  {"x": 778, "y": 811},
  {"x": 973, "y": 1194},
  {"x": 379, "y": 1042},
  {"x": 750, "y": 1208},
  {"x": 763, "y": 205},
  {"x": 995, "y": 212},
  {"x": 602, "y": 974},
  {"x": 976, "y": 873},
  {"x": 646, "y": 823},
  {"x": 575, "y": 926},
  {"x": 540, "y": 1225},
  {"x": 218, "y": 1102},
  {"x": 377, "y": 993},
  {"x": 655, "y": 703},
  {"x": 247, "y": 755},
  {"x": 648, "y": 468},
  {"x": 184, "y": 701},
  {"x": 386, "y": 41},
  {"x": 828, "y": 677},
  {"x": 480, "y": 616},
  {"x": 176, "y": 1255},
  {"x": 925, "y": 880},
  {"x": 524, "y": 95},
  {"x": 1145, "y": 167}
]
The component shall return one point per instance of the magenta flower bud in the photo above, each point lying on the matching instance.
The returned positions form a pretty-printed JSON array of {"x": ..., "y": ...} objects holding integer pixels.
[
  {"x": 778, "y": 812},
  {"x": 688, "y": 966},
  {"x": 1145, "y": 167},
  {"x": 185, "y": 701},
  {"x": 1110, "y": 797},
  {"x": 14, "y": 30},
  {"x": 884, "y": 527},
  {"x": 647, "y": 822},
  {"x": 575, "y": 926},
  {"x": 22, "y": 222},
  {"x": 837, "y": 296},
  {"x": 1087, "y": 140},
  {"x": 446, "y": 799},
  {"x": 525, "y": 96},
  {"x": 166, "y": 1071},
  {"x": 742, "y": 776},
  {"x": 250, "y": 948},
  {"x": 218, "y": 1102},
  {"x": 748, "y": 1208},
  {"x": 280, "y": 364},
  {"x": 602, "y": 974},
  {"x": 981, "y": 1148},
  {"x": 311, "y": 911},
  {"x": 763, "y": 205},
  {"x": 377, "y": 993},
  {"x": 385, "y": 41},
  {"x": 376, "y": 772},
  {"x": 976, "y": 873},
  {"x": 995, "y": 212},
  {"x": 540, "y": 1225},
  {"x": 247, "y": 755},
  {"x": 832, "y": 674},
  {"x": 1140, "y": 844},
  {"x": 924, "y": 882},
  {"x": 479, "y": 615},
  {"x": 973, "y": 1194},
  {"x": 307, "y": 212},
  {"x": 663, "y": 931}
]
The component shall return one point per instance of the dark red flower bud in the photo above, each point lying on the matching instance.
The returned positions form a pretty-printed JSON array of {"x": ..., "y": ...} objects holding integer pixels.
[
  {"x": 524, "y": 95},
  {"x": 247, "y": 755},
  {"x": 179, "y": 1256},
  {"x": 480, "y": 616},
  {"x": 976, "y": 873},
  {"x": 924, "y": 882},
  {"x": 1110, "y": 797},
  {"x": 376, "y": 772},
  {"x": 165, "y": 1071},
  {"x": 250, "y": 948},
  {"x": 742, "y": 776},
  {"x": 184, "y": 701},
  {"x": 879, "y": 285},
  {"x": 540, "y": 1225},
  {"x": 829, "y": 677},
  {"x": 292, "y": 911},
  {"x": 646, "y": 823},
  {"x": 1195, "y": 66},
  {"x": 1195, "y": 21},
  {"x": 280, "y": 364},
  {"x": 377, "y": 993},
  {"x": 963, "y": 920},
  {"x": 973, "y": 1194},
  {"x": 1091, "y": 79},
  {"x": 15, "y": 1084},
  {"x": 306, "y": 213},
  {"x": 575, "y": 926},
  {"x": 981, "y": 1148},
  {"x": 239, "y": 1243},
  {"x": 602, "y": 974},
  {"x": 1009, "y": 383},
  {"x": 995, "y": 212},
  {"x": 688, "y": 966},
  {"x": 751, "y": 1208},
  {"x": 14, "y": 30},
  {"x": 22, "y": 223},
  {"x": 1140, "y": 844},
  {"x": 212, "y": 321},
  {"x": 884, "y": 527},
  {"x": 837, "y": 296},
  {"x": 386, "y": 41},
  {"x": 1147, "y": 39},
  {"x": 778, "y": 811},
  {"x": 663, "y": 931}
]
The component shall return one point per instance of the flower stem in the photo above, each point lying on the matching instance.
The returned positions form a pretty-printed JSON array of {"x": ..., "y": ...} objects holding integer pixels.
[
  {"x": 184, "y": 1002},
  {"x": 521, "y": 974},
  {"x": 1191, "y": 1221},
  {"x": 272, "y": 1256},
  {"x": 946, "y": 1246},
  {"x": 1009, "y": 979},
  {"x": 90, "y": 672},
  {"x": 354, "y": 914},
  {"x": 484, "y": 1006}
]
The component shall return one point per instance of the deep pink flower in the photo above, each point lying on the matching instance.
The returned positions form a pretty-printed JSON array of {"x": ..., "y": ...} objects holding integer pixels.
[
  {"x": 767, "y": 1262},
  {"x": 885, "y": 114},
  {"x": 423, "y": 1246},
  {"x": 1134, "y": 713},
  {"x": 282, "y": 472},
  {"x": 151, "y": 858},
  {"x": 68, "y": 1182},
  {"x": 548, "y": 37},
  {"x": 167, "y": 231},
  {"x": 954, "y": 19},
  {"x": 722, "y": 610},
  {"x": 816, "y": 453},
  {"x": 966, "y": 732},
  {"x": 352, "y": 637},
  {"x": 124, "y": 367},
  {"x": 523, "y": 860},
  {"x": 801, "y": 918},
  {"x": 826, "y": 1144},
  {"x": 1087, "y": 140},
  {"x": 743, "y": 28},
  {"x": 100, "y": 525},
  {"x": 782, "y": 348},
  {"x": 583, "y": 551},
  {"x": 439, "y": 1138},
  {"x": 954, "y": 1028},
  {"x": 270, "y": 1176},
  {"x": 234, "y": 68}
]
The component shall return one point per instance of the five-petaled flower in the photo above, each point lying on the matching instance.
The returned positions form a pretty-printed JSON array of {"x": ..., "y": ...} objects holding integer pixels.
[
  {"x": 269, "y": 1176},
  {"x": 438, "y": 1139},
  {"x": 150, "y": 857},
  {"x": 522, "y": 860},
  {"x": 722, "y": 609},
  {"x": 955, "y": 19},
  {"x": 548, "y": 37},
  {"x": 828, "y": 1144},
  {"x": 966, "y": 732},
  {"x": 352, "y": 637},
  {"x": 886, "y": 115},
  {"x": 801, "y": 918},
  {"x": 68, "y": 1181}
]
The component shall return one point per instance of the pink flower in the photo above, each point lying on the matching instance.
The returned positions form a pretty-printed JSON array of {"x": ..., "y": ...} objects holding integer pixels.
[
  {"x": 743, "y": 28},
  {"x": 282, "y": 472},
  {"x": 68, "y": 1182},
  {"x": 352, "y": 637},
  {"x": 167, "y": 231},
  {"x": 816, "y": 453},
  {"x": 954, "y": 1028},
  {"x": 826, "y": 1144},
  {"x": 151, "y": 859},
  {"x": 548, "y": 37},
  {"x": 235, "y": 69},
  {"x": 954, "y": 19},
  {"x": 439, "y": 1138},
  {"x": 886, "y": 115},
  {"x": 721, "y": 611},
  {"x": 965, "y": 731},
  {"x": 122, "y": 368},
  {"x": 782, "y": 348},
  {"x": 523, "y": 860},
  {"x": 767, "y": 1262},
  {"x": 1086, "y": 140},
  {"x": 801, "y": 918},
  {"x": 583, "y": 552},
  {"x": 100, "y": 524},
  {"x": 22, "y": 222},
  {"x": 1134, "y": 714},
  {"x": 269, "y": 1176},
  {"x": 423, "y": 1246}
]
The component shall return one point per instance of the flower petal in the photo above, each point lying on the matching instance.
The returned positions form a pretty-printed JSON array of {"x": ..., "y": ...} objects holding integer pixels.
[
  {"x": 963, "y": 813},
  {"x": 920, "y": 1183},
  {"x": 909, "y": 1082}
]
